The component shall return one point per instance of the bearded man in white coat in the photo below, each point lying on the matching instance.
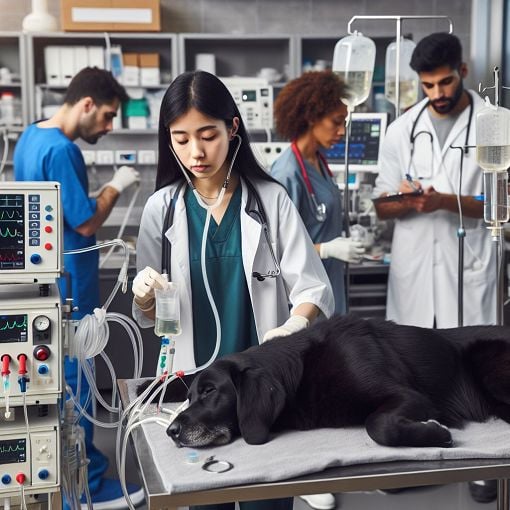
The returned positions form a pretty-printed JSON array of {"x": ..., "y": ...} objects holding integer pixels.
[
  {"x": 418, "y": 160},
  {"x": 418, "y": 154}
]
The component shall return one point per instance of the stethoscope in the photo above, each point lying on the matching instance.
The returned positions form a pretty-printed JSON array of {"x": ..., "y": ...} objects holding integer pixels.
[
  {"x": 413, "y": 135},
  {"x": 254, "y": 208},
  {"x": 320, "y": 209}
]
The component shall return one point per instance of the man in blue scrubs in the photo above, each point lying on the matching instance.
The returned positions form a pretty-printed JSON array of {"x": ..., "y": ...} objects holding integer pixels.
[{"x": 46, "y": 152}]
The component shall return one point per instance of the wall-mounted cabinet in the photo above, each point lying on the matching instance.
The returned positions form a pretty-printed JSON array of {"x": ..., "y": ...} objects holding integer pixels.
[
  {"x": 238, "y": 55},
  {"x": 53, "y": 58}
]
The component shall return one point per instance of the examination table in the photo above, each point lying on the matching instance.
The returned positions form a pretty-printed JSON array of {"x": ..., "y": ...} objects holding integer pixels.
[{"x": 311, "y": 462}]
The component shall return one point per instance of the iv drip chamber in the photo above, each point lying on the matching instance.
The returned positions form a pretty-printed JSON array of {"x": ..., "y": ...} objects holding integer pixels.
[{"x": 353, "y": 62}]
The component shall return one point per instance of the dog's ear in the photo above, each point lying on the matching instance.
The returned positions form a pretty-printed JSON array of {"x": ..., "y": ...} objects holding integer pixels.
[{"x": 260, "y": 401}]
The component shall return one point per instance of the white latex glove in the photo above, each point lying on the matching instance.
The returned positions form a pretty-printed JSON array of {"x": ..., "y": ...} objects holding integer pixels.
[
  {"x": 124, "y": 177},
  {"x": 144, "y": 284},
  {"x": 292, "y": 325},
  {"x": 342, "y": 248}
]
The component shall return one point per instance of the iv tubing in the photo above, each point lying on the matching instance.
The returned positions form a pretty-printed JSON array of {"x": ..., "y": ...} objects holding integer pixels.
[{"x": 120, "y": 233}]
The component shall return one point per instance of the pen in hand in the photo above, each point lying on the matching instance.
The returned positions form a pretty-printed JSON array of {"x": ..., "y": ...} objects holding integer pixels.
[{"x": 412, "y": 184}]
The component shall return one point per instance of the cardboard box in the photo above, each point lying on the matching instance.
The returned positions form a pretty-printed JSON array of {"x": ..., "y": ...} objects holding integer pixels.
[
  {"x": 148, "y": 60},
  {"x": 130, "y": 59},
  {"x": 110, "y": 15}
]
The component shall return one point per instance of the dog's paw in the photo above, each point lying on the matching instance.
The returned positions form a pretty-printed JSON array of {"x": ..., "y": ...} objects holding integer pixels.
[{"x": 441, "y": 433}]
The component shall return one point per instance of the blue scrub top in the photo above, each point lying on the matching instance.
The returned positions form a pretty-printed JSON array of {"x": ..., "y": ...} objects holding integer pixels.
[
  {"x": 225, "y": 272},
  {"x": 286, "y": 170},
  {"x": 46, "y": 154}
]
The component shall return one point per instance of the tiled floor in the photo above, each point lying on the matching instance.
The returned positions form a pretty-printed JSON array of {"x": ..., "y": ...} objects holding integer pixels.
[{"x": 448, "y": 497}]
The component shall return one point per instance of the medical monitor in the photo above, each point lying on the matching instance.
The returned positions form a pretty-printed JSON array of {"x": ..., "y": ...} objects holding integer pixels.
[
  {"x": 367, "y": 135},
  {"x": 30, "y": 232}
]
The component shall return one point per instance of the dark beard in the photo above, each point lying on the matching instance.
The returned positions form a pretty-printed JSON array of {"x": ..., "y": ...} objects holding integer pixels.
[{"x": 451, "y": 102}]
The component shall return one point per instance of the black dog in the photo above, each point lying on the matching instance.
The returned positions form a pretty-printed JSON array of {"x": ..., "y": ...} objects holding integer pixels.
[{"x": 405, "y": 384}]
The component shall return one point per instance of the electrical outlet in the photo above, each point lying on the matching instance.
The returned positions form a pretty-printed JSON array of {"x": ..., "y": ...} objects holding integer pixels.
[
  {"x": 89, "y": 157},
  {"x": 104, "y": 157},
  {"x": 147, "y": 157}
]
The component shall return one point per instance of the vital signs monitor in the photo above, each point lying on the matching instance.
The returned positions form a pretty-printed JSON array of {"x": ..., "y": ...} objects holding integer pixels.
[{"x": 30, "y": 232}]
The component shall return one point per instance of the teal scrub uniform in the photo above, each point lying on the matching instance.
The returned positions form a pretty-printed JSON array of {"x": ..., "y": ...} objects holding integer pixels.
[{"x": 224, "y": 263}]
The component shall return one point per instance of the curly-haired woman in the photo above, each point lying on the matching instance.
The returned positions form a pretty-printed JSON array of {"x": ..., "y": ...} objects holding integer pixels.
[{"x": 308, "y": 112}]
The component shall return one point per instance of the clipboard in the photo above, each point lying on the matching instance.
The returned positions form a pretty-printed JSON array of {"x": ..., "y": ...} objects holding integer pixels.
[{"x": 397, "y": 197}]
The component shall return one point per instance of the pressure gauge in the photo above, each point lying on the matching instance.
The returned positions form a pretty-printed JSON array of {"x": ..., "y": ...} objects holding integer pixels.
[{"x": 41, "y": 323}]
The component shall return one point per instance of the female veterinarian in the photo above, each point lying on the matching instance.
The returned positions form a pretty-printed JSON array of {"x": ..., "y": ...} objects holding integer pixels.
[
  {"x": 308, "y": 112},
  {"x": 259, "y": 259}
]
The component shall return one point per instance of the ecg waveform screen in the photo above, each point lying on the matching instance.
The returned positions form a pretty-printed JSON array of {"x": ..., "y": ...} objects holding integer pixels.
[
  {"x": 13, "y": 451},
  {"x": 13, "y": 328},
  {"x": 12, "y": 231}
]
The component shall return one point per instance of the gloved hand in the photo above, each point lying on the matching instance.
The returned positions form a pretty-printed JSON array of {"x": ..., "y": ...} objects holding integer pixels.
[
  {"x": 124, "y": 177},
  {"x": 292, "y": 325},
  {"x": 144, "y": 284},
  {"x": 342, "y": 248}
]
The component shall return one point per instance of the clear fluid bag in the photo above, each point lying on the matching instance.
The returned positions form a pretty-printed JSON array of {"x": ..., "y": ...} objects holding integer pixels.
[
  {"x": 353, "y": 62},
  {"x": 168, "y": 312},
  {"x": 408, "y": 79},
  {"x": 493, "y": 138}
]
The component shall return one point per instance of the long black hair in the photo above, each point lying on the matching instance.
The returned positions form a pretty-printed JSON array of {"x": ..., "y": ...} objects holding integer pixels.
[{"x": 207, "y": 93}]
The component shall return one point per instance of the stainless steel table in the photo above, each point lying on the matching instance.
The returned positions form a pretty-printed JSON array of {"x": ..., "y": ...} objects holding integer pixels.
[{"x": 387, "y": 475}]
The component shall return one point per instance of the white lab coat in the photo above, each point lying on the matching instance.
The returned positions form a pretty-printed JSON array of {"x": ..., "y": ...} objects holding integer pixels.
[
  {"x": 303, "y": 278},
  {"x": 424, "y": 254}
]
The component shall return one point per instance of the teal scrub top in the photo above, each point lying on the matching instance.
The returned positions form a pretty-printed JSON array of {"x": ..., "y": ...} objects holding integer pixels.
[{"x": 224, "y": 264}]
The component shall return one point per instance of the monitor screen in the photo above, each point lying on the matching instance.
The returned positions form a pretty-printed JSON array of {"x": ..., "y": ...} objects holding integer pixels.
[{"x": 367, "y": 134}]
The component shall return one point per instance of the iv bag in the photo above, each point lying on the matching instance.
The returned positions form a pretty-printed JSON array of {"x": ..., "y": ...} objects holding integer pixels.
[
  {"x": 353, "y": 62},
  {"x": 408, "y": 79},
  {"x": 493, "y": 138}
]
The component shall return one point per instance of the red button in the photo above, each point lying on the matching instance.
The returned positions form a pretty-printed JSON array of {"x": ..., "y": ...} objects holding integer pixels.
[
  {"x": 48, "y": 229},
  {"x": 41, "y": 353},
  {"x": 48, "y": 246},
  {"x": 20, "y": 478}
]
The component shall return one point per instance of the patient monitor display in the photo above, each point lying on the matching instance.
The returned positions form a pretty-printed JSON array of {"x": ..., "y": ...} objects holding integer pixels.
[
  {"x": 30, "y": 232},
  {"x": 367, "y": 134},
  {"x": 12, "y": 231}
]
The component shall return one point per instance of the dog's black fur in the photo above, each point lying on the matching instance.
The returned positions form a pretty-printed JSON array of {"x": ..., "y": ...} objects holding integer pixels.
[{"x": 405, "y": 384}]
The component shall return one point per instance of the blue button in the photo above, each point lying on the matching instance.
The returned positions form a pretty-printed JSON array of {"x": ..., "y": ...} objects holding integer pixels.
[
  {"x": 6, "y": 479},
  {"x": 43, "y": 474},
  {"x": 49, "y": 217},
  {"x": 43, "y": 369},
  {"x": 35, "y": 258}
]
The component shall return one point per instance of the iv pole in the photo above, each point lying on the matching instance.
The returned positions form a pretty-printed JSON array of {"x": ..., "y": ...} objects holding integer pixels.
[
  {"x": 497, "y": 231},
  {"x": 398, "y": 30},
  {"x": 398, "y": 33}
]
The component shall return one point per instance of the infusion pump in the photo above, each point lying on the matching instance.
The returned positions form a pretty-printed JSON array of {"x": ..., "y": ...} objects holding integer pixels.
[
  {"x": 31, "y": 242},
  {"x": 30, "y": 455},
  {"x": 30, "y": 345},
  {"x": 254, "y": 98}
]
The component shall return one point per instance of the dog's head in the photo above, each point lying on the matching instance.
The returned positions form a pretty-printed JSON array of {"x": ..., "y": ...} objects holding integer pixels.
[{"x": 227, "y": 400}]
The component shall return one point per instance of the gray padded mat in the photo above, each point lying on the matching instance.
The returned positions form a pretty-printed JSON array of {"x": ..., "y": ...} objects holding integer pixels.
[{"x": 294, "y": 454}]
